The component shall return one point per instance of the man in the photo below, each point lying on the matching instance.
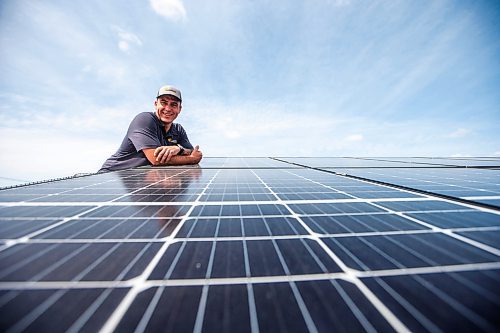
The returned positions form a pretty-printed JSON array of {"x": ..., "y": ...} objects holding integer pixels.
[{"x": 154, "y": 139}]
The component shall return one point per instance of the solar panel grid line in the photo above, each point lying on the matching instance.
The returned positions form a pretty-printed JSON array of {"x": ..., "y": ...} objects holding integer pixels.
[
  {"x": 311, "y": 327},
  {"x": 307, "y": 236},
  {"x": 449, "y": 233},
  {"x": 456, "y": 305},
  {"x": 250, "y": 295},
  {"x": 492, "y": 228},
  {"x": 137, "y": 287},
  {"x": 303, "y": 308},
  {"x": 482, "y": 197},
  {"x": 252, "y": 280},
  {"x": 60, "y": 262},
  {"x": 215, "y": 203},
  {"x": 204, "y": 293},
  {"x": 367, "y": 229},
  {"x": 43, "y": 181},
  {"x": 384, "y": 311},
  {"x": 66, "y": 285},
  {"x": 355, "y": 199},
  {"x": 254, "y": 323},
  {"x": 393, "y": 320},
  {"x": 367, "y": 326},
  {"x": 419, "y": 316},
  {"x": 65, "y": 220},
  {"x": 409, "y": 250},
  {"x": 148, "y": 314},
  {"x": 387, "y": 160},
  {"x": 425, "y": 196},
  {"x": 94, "y": 241},
  {"x": 198, "y": 323},
  {"x": 449, "y": 189},
  {"x": 473, "y": 242},
  {"x": 442, "y": 162},
  {"x": 477, "y": 288},
  {"x": 117, "y": 315},
  {"x": 407, "y": 271},
  {"x": 35, "y": 313},
  {"x": 91, "y": 310},
  {"x": 48, "y": 181},
  {"x": 400, "y": 187},
  {"x": 442, "y": 183}
]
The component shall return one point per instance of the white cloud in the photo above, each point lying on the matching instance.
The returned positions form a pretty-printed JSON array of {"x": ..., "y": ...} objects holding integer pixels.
[
  {"x": 354, "y": 138},
  {"x": 123, "y": 45},
  {"x": 54, "y": 154},
  {"x": 458, "y": 133},
  {"x": 170, "y": 9},
  {"x": 126, "y": 38},
  {"x": 262, "y": 129},
  {"x": 84, "y": 118}
]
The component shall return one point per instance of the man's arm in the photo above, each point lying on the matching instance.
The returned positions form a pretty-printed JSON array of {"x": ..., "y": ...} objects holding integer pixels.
[{"x": 167, "y": 155}]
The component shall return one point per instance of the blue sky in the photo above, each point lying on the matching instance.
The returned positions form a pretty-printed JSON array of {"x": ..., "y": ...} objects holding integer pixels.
[{"x": 259, "y": 78}]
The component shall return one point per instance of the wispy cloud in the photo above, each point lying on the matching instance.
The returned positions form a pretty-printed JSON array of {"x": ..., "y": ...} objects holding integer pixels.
[
  {"x": 170, "y": 9},
  {"x": 83, "y": 119},
  {"x": 354, "y": 138},
  {"x": 81, "y": 154},
  {"x": 126, "y": 38},
  {"x": 458, "y": 133}
]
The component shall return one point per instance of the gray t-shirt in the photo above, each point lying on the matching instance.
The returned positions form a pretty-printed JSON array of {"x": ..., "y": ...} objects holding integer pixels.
[{"x": 145, "y": 131}]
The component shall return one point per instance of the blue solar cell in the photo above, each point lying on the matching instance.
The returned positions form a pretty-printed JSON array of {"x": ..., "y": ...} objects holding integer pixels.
[
  {"x": 360, "y": 223},
  {"x": 334, "y": 208},
  {"x": 247, "y": 244},
  {"x": 405, "y": 251},
  {"x": 461, "y": 301},
  {"x": 466, "y": 219},
  {"x": 488, "y": 237},
  {"x": 83, "y": 309}
]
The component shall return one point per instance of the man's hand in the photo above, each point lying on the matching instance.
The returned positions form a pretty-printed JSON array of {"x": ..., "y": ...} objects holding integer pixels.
[
  {"x": 196, "y": 154},
  {"x": 163, "y": 154}
]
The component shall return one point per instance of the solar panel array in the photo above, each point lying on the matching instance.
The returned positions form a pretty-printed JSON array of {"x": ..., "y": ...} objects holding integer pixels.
[{"x": 257, "y": 244}]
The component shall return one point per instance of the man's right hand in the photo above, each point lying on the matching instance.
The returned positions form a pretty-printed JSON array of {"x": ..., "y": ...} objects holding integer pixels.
[{"x": 163, "y": 154}]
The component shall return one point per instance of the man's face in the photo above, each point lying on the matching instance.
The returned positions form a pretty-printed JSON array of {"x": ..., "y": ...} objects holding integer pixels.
[{"x": 167, "y": 108}]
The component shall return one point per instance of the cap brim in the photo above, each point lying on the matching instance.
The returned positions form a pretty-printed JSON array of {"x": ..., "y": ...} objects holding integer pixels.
[{"x": 169, "y": 94}]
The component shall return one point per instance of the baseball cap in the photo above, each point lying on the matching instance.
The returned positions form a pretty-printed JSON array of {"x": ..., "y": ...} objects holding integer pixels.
[{"x": 169, "y": 90}]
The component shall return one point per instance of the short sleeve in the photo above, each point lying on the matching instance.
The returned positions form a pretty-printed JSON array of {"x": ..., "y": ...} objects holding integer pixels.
[
  {"x": 183, "y": 138},
  {"x": 143, "y": 132}
]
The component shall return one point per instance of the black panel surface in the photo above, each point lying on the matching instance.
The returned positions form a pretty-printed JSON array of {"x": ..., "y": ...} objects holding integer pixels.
[{"x": 256, "y": 245}]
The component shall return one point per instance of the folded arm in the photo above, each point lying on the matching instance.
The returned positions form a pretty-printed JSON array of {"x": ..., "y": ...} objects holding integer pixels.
[{"x": 167, "y": 155}]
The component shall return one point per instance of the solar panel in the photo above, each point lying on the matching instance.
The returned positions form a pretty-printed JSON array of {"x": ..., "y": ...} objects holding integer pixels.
[{"x": 256, "y": 244}]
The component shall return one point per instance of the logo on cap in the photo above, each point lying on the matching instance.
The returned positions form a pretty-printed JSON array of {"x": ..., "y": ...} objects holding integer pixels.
[{"x": 169, "y": 90}]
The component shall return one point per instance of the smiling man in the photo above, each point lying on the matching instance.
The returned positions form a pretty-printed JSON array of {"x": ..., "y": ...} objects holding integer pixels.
[{"x": 154, "y": 139}]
